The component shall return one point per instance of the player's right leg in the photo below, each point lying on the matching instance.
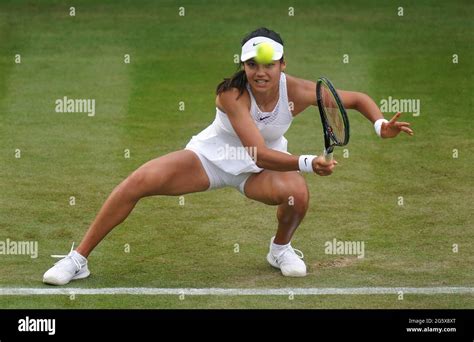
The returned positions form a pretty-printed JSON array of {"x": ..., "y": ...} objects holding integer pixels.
[{"x": 176, "y": 173}]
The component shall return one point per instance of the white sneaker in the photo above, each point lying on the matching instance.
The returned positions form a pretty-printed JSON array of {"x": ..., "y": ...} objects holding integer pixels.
[
  {"x": 288, "y": 261},
  {"x": 72, "y": 266}
]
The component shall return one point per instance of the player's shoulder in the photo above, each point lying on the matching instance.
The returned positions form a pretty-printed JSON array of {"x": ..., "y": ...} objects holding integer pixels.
[
  {"x": 297, "y": 84},
  {"x": 232, "y": 98},
  {"x": 300, "y": 89}
]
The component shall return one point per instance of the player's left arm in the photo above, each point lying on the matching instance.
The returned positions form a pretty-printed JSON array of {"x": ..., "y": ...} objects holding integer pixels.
[
  {"x": 357, "y": 101},
  {"x": 364, "y": 104}
]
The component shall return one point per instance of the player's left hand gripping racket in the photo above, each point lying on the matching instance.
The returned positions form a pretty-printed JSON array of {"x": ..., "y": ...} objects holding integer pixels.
[{"x": 333, "y": 117}]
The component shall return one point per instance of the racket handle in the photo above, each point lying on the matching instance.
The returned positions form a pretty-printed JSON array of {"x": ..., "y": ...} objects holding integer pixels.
[{"x": 327, "y": 156}]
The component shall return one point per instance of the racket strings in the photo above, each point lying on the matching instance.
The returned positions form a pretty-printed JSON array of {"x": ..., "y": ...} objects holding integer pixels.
[{"x": 333, "y": 115}]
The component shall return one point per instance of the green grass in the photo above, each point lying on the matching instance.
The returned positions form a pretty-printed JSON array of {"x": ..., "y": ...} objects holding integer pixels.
[
  {"x": 243, "y": 302},
  {"x": 177, "y": 59}
]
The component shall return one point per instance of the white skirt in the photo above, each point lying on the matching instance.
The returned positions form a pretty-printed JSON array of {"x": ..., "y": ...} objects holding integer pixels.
[{"x": 227, "y": 152}]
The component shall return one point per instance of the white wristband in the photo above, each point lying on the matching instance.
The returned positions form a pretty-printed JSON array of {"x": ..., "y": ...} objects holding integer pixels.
[
  {"x": 305, "y": 162},
  {"x": 378, "y": 126}
]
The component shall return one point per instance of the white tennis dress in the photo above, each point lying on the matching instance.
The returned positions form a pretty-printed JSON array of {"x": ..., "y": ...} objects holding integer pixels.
[{"x": 226, "y": 161}]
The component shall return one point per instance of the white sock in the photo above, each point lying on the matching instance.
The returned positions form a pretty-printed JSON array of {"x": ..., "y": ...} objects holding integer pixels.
[
  {"x": 276, "y": 250},
  {"x": 79, "y": 257}
]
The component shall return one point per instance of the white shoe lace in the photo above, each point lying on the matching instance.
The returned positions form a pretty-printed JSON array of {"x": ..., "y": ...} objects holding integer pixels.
[
  {"x": 58, "y": 256},
  {"x": 293, "y": 251},
  {"x": 298, "y": 253}
]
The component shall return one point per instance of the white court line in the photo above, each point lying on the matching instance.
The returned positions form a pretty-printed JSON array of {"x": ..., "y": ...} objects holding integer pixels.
[{"x": 27, "y": 291}]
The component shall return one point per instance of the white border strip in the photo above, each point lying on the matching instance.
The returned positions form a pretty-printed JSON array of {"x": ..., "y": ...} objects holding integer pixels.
[{"x": 147, "y": 291}]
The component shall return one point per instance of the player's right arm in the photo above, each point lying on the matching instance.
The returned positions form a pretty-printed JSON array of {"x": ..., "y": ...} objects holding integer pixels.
[{"x": 244, "y": 126}]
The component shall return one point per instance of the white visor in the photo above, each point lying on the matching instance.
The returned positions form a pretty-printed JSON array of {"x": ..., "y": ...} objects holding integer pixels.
[{"x": 249, "y": 50}]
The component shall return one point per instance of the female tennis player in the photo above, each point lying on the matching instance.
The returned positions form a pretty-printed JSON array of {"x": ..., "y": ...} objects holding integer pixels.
[{"x": 254, "y": 109}]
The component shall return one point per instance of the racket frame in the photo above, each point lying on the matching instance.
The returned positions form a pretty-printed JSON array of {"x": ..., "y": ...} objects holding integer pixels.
[{"x": 330, "y": 139}]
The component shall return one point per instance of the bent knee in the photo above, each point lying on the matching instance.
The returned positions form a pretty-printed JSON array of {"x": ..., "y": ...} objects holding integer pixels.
[
  {"x": 139, "y": 183},
  {"x": 295, "y": 192},
  {"x": 299, "y": 199}
]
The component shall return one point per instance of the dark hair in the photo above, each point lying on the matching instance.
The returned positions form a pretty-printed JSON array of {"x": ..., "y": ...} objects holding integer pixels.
[{"x": 239, "y": 79}]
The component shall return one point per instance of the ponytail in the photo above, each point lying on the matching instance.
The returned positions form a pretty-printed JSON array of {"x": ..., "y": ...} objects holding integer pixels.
[{"x": 238, "y": 80}]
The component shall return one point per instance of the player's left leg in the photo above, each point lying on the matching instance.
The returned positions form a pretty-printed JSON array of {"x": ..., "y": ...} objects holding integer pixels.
[{"x": 287, "y": 190}]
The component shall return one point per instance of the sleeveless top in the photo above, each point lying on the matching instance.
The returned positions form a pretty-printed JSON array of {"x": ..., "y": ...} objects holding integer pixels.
[{"x": 220, "y": 144}]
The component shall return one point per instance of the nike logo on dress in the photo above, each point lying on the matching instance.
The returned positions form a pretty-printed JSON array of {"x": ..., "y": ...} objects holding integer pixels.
[{"x": 265, "y": 117}]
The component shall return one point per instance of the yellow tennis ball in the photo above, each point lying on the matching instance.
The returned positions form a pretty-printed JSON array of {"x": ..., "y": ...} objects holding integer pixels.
[{"x": 264, "y": 53}]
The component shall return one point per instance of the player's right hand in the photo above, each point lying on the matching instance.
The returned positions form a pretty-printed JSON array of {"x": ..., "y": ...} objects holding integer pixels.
[{"x": 323, "y": 167}]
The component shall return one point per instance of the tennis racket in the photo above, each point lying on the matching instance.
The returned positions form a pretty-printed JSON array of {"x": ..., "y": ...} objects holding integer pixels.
[{"x": 333, "y": 117}]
